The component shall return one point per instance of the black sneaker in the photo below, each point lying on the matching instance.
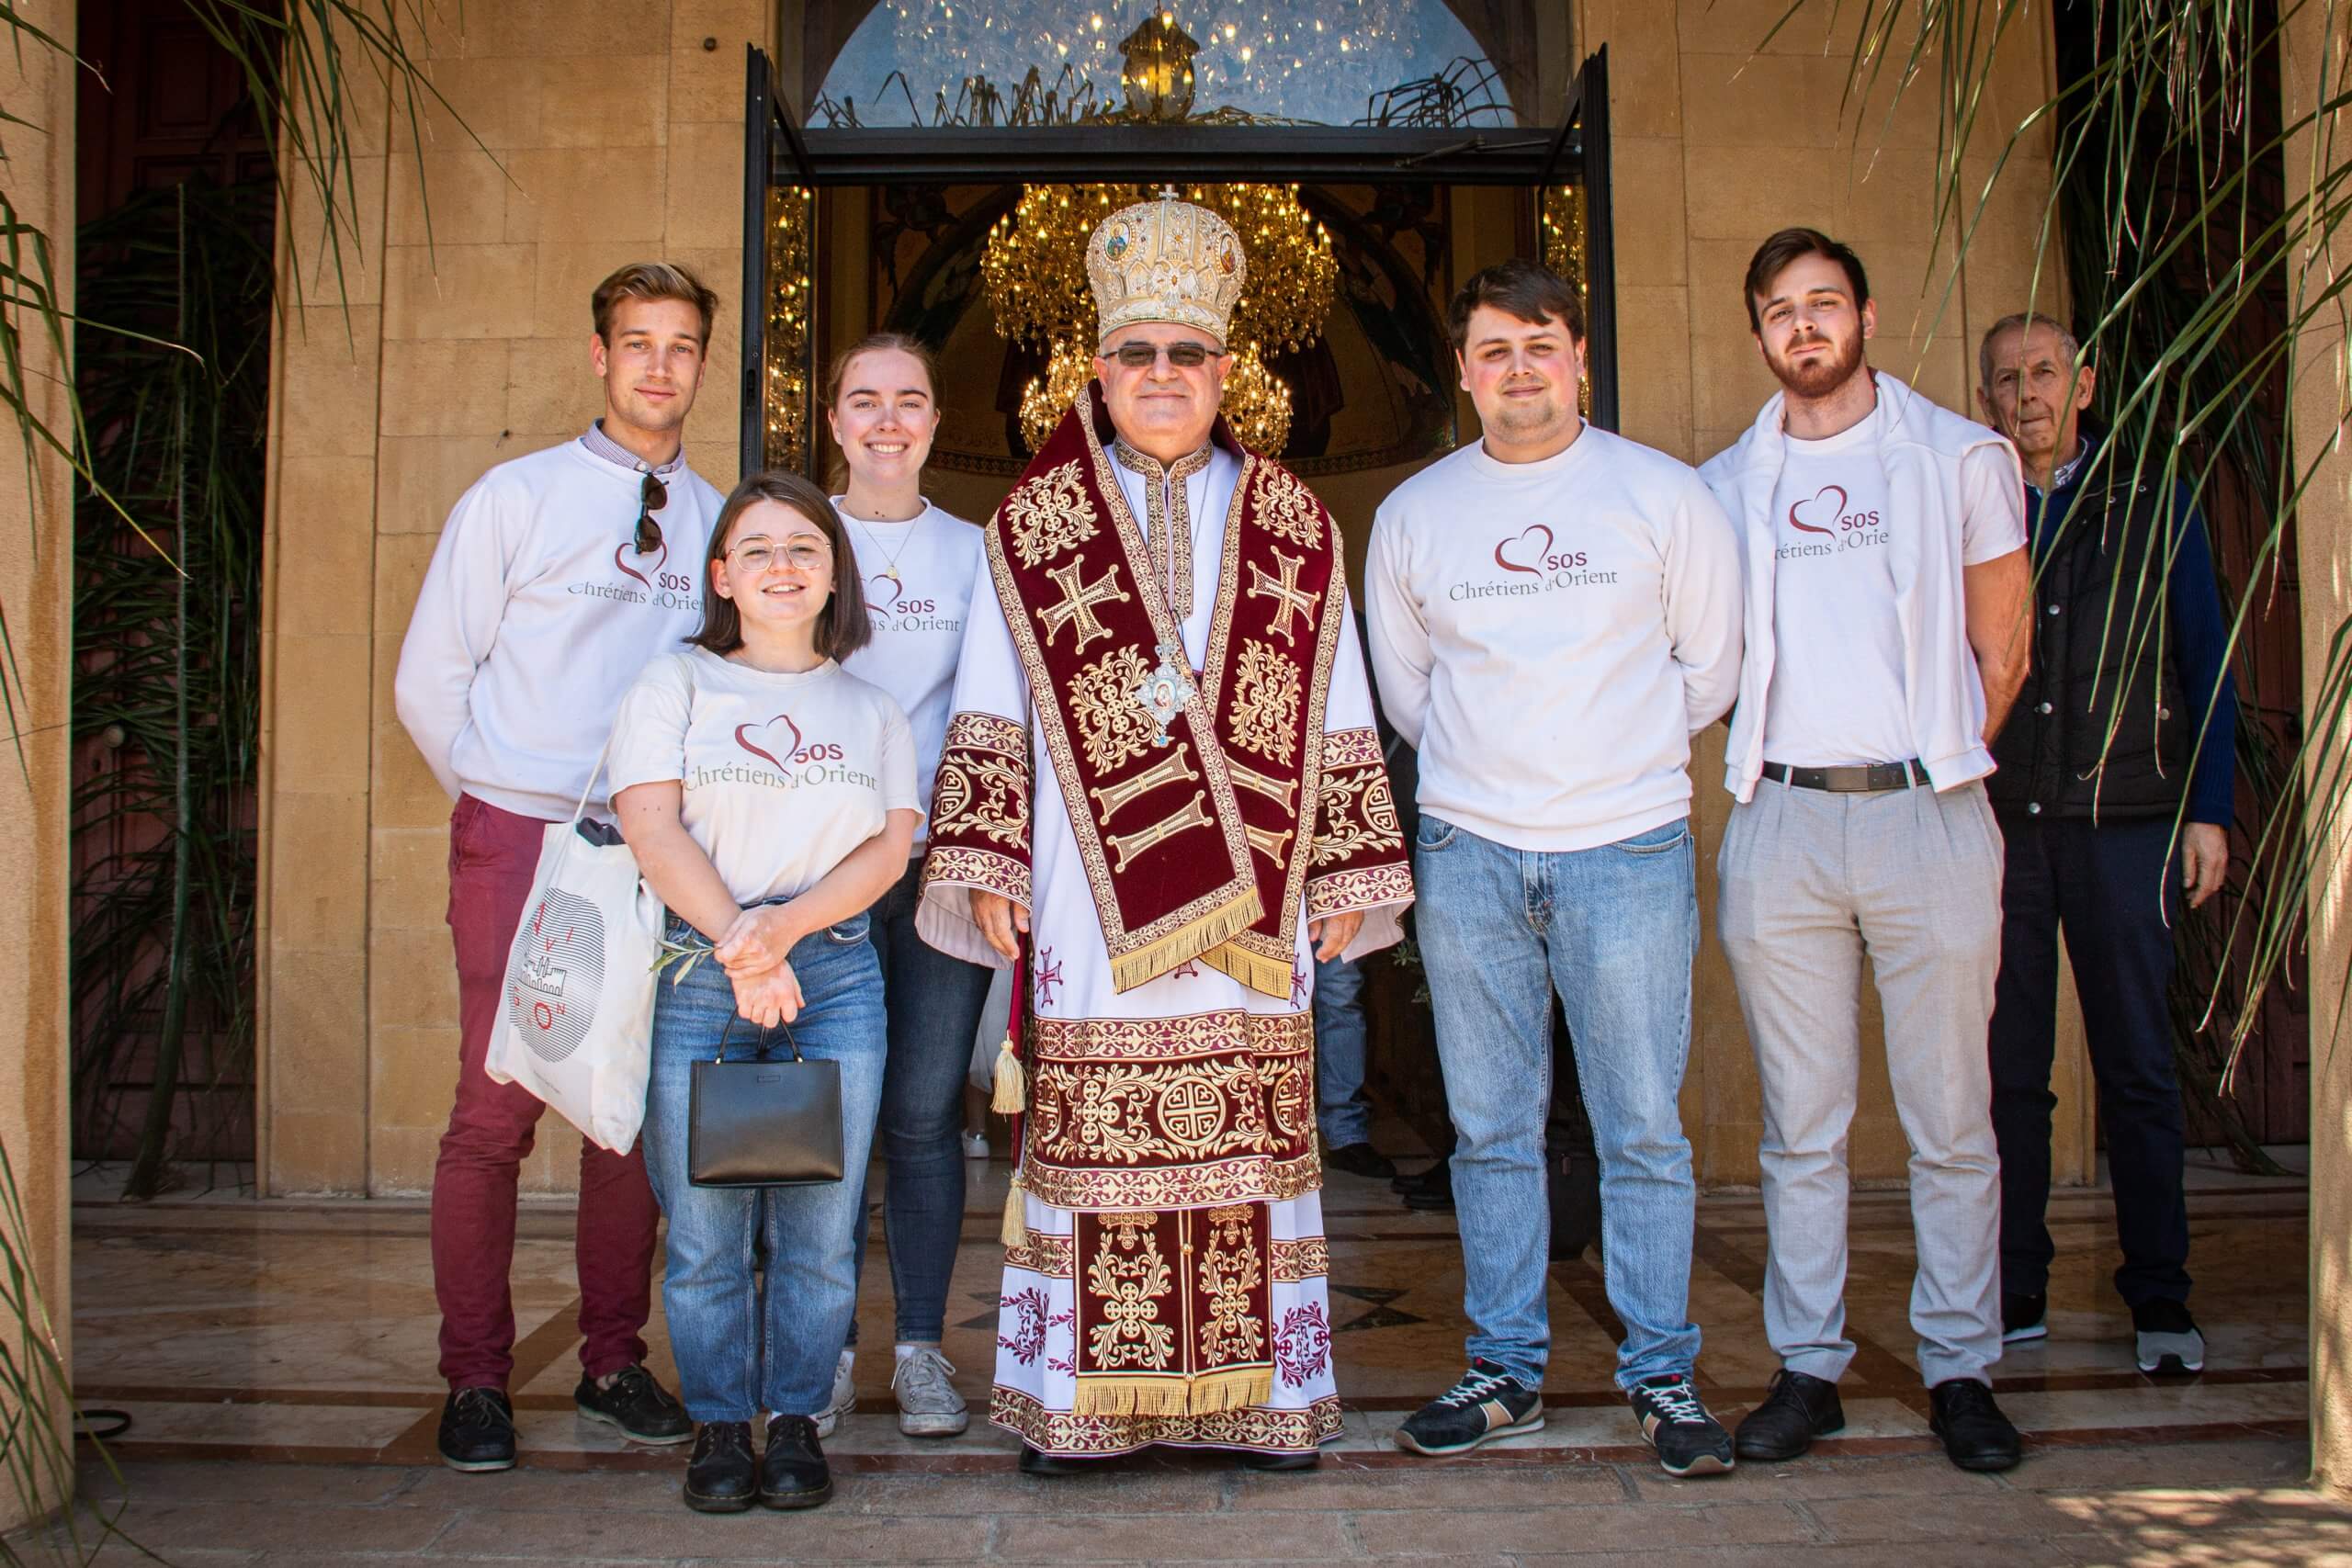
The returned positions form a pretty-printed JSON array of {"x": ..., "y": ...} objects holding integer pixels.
[
  {"x": 2167, "y": 1344},
  {"x": 1433, "y": 1190},
  {"x": 1799, "y": 1408},
  {"x": 722, "y": 1477},
  {"x": 1488, "y": 1403},
  {"x": 1977, "y": 1434},
  {"x": 1688, "y": 1441},
  {"x": 477, "y": 1430},
  {"x": 2024, "y": 1317},
  {"x": 641, "y": 1407},
  {"x": 793, "y": 1473},
  {"x": 1361, "y": 1159}
]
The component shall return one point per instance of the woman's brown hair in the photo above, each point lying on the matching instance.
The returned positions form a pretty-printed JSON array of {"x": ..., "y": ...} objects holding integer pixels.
[{"x": 843, "y": 625}]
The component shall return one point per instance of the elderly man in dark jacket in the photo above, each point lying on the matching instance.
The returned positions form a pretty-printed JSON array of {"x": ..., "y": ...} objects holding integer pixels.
[{"x": 2129, "y": 707}]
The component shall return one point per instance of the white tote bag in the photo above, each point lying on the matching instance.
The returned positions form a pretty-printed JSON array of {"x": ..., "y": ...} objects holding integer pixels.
[{"x": 576, "y": 1027}]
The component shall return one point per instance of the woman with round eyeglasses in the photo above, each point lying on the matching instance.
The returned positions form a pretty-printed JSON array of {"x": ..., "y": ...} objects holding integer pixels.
[
  {"x": 917, "y": 566},
  {"x": 769, "y": 797}
]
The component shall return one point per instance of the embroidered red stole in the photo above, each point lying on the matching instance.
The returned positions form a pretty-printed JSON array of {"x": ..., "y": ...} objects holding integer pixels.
[{"x": 1197, "y": 842}]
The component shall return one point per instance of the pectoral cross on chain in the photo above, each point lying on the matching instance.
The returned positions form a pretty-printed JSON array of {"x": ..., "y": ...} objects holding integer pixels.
[{"x": 1288, "y": 597}]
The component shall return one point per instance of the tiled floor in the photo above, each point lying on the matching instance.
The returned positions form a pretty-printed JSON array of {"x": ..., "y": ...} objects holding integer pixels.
[{"x": 298, "y": 1338}]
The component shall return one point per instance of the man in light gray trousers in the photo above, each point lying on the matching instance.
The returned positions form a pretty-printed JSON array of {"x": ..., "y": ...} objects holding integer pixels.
[{"x": 1888, "y": 594}]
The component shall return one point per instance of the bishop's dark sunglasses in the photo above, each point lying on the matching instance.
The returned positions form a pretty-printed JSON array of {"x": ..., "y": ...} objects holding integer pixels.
[
  {"x": 1140, "y": 355},
  {"x": 651, "y": 497}
]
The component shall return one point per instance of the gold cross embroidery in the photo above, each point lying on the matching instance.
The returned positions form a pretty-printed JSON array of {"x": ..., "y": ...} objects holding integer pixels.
[
  {"x": 1289, "y": 599},
  {"x": 1078, "y": 603}
]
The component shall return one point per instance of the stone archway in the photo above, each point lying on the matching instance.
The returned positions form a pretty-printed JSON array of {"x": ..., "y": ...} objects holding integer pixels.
[{"x": 1508, "y": 32}]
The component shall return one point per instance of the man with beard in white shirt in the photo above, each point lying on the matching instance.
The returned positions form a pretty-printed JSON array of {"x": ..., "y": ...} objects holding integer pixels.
[{"x": 1888, "y": 597}]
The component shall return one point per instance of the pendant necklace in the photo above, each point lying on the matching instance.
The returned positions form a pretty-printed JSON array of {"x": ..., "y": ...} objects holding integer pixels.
[
  {"x": 889, "y": 558},
  {"x": 1167, "y": 688}
]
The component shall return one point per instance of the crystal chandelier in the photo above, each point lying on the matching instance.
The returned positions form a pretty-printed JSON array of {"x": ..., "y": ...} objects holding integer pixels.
[{"x": 1034, "y": 273}]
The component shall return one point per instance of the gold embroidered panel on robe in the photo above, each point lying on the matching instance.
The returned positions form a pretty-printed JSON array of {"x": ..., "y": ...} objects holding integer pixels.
[
  {"x": 980, "y": 807},
  {"x": 1359, "y": 842},
  {"x": 1172, "y": 1311},
  {"x": 1171, "y": 1112},
  {"x": 1294, "y": 1431}
]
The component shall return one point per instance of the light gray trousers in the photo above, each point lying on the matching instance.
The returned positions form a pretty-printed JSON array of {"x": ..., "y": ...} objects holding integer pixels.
[{"x": 1810, "y": 882}]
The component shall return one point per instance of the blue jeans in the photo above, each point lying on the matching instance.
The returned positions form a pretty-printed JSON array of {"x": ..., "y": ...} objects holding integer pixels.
[
  {"x": 738, "y": 1356},
  {"x": 1614, "y": 929},
  {"x": 1341, "y": 1109},
  {"x": 934, "y": 1002}
]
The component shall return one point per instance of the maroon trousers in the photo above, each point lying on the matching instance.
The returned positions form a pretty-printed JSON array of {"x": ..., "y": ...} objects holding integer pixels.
[{"x": 493, "y": 856}]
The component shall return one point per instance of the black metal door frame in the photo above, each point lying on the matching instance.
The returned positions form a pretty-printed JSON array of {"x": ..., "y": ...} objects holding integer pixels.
[{"x": 777, "y": 150}]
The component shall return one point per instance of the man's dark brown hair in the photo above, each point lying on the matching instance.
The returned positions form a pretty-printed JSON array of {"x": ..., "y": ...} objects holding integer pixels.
[
  {"x": 1526, "y": 289},
  {"x": 843, "y": 625},
  {"x": 1788, "y": 245},
  {"x": 651, "y": 280}
]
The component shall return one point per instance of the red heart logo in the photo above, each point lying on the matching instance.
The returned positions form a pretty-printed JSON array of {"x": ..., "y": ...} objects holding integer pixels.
[
  {"x": 660, "y": 560},
  {"x": 1835, "y": 509},
  {"x": 897, "y": 589},
  {"x": 743, "y": 738},
  {"x": 1508, "y": 564}
]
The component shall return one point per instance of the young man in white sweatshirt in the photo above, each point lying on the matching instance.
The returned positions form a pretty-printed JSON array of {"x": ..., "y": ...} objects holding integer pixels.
[
  {"x": 557, "y": 576},
  {"x": 1888, "y": 594},
  {"x": 1554, "y": 612}
]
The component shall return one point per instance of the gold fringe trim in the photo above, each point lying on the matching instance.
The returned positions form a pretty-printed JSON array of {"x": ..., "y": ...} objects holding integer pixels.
[
  {"x": 1207, "y": 1394},
  {"x": 1011, "y": 1093},
  {"x": 1268, "y": 976},
  {"x": 1189, "y": 941},
  {"x": 1014, "y": 1229}
]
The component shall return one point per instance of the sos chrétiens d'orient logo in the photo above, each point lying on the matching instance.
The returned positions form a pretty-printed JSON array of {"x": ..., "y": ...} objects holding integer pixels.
[
  {"x": 1830, "y": 521},
  {"x": 798, "y": 751},
  {"x": 891, "y": 608},
  {"x": 1535, "y": 564},
  {"x": 657, "y": 585}
]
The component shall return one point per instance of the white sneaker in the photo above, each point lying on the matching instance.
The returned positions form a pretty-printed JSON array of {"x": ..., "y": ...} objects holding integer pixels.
[
  {"x": 976, "y": 1146},
  {"x": 845, "y": 1398},
  {"x": 929, "y": 1405}
]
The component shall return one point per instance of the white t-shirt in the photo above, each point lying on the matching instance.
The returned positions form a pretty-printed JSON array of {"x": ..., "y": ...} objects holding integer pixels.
[
  {"x": 1550, "y": 635},
  {"x": 1836, "y": 695},
  {"x": 784, "y": 775},
  {"x": 918, "y": 582}
]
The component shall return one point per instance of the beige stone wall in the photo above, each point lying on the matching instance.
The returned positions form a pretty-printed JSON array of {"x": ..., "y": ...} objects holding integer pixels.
[
  {"x": 1715, "y": 144},
  {"x": 36, "y": 571},
  {"x": 612, "y": 134},
  {"x": 474, "y": 351},
  {"x": 2323, "y": 538}
]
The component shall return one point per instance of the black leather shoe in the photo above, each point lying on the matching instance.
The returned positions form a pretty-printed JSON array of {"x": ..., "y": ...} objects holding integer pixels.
[
  {"x": 1254, "y": 1461},
  {"x": 1433, "y": 1190},
  {"x": 641, "y": 1408},
  {"x": 477, "y": 1430},
  {"x": 793, "y": 1473},
  {"x": 1977, "y": 1434},
  {"x": 1799, "y": 1408},
  {"x": 1361, "y": 1159},
  {"x": 722, "y": 1477},
  {"x": 1036, "y": 1461}
]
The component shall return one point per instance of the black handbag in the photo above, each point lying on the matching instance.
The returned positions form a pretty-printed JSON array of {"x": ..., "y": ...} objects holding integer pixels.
[{"x": 763, "y": 1123}]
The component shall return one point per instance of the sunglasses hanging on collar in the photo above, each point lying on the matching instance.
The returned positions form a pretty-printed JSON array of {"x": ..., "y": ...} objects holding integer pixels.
[{"x": 651, "y": 497}]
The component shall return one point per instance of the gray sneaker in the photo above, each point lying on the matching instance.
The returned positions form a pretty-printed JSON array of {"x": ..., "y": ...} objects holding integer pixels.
[
  {"x": 845, "y": 1398},
  {"x": 2166, "y": 1340},
  {"x": 929, "y": 1405}
]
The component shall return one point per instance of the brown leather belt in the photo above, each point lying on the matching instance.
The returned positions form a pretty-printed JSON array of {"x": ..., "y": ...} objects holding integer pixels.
[{"x": 1863, "y": 778}]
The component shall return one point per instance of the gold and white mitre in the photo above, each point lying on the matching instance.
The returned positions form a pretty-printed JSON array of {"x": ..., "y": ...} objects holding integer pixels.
[{"x": 1165, "y": 261}]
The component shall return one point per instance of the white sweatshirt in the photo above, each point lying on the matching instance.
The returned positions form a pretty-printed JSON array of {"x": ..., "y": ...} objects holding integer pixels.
[
  {"x": 1550, "y": 635},
  {"x": 918, "y": 619},
  {"x": 536, "y": 614}
]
